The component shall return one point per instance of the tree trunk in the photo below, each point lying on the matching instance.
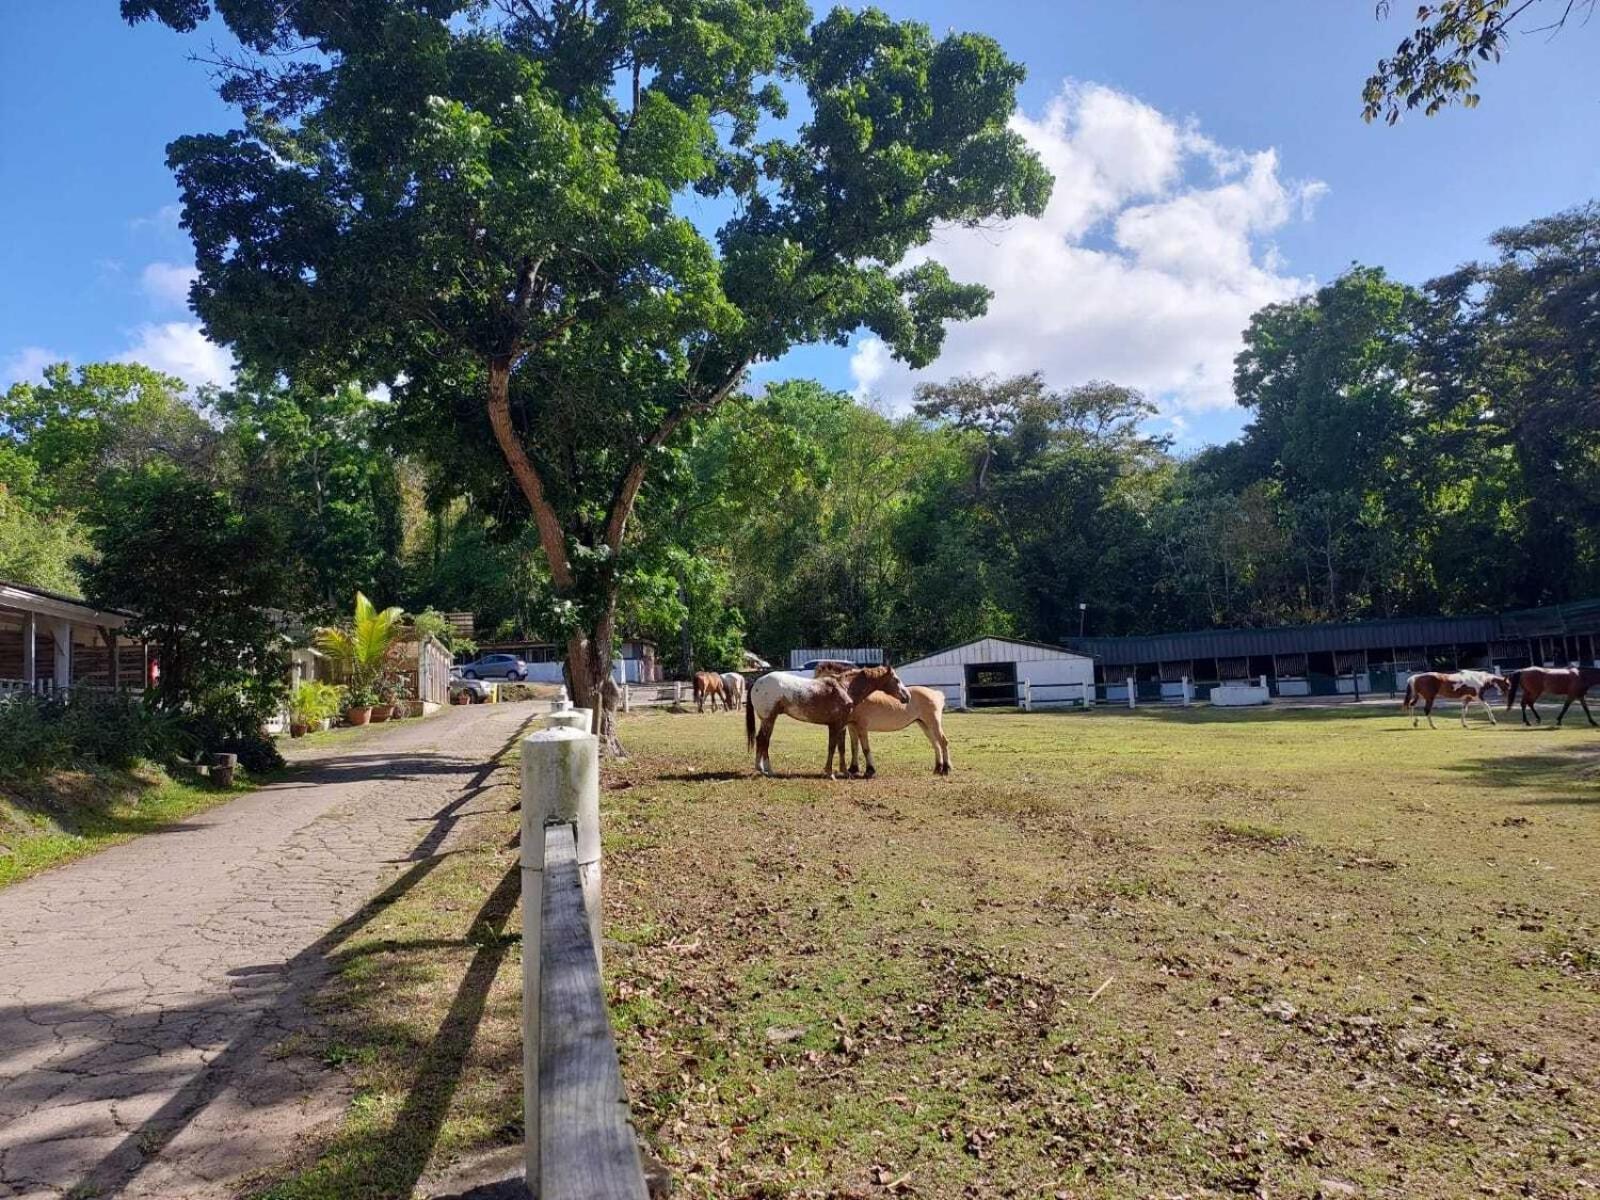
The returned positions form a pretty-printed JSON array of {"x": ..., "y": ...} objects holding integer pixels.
[{"x": 589, "y": 669}]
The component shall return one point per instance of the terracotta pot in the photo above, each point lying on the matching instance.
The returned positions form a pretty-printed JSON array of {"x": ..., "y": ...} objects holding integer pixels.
[
  {"x": 298, "y": 730},
  {"x": 357, "y": 716},
  {"x": 381, "y": 712}
]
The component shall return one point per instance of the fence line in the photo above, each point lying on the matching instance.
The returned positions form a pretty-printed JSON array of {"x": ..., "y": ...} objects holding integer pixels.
[{"x": 578, "y": 1142}]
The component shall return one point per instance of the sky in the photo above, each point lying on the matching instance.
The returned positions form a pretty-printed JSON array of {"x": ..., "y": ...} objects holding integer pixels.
[{"x": 1209, "y": 159}]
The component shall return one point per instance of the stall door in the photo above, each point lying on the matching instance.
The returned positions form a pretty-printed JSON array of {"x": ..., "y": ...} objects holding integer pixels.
[{"x": 991, "y": 685}]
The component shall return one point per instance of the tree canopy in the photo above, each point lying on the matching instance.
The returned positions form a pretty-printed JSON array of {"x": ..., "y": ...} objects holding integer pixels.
[{"x": 479, "y": 207}]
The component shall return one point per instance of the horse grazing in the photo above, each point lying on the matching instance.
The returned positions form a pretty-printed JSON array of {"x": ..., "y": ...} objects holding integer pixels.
[
  {"x": 827, "y": 702},
  {"x": 881, "y": 713},
  {"x": 1572, "y": 682},
  {"x": 708, "y": 686},
  {"x": 1466, "y": 686},
  {"x": 732, "y": 689}
]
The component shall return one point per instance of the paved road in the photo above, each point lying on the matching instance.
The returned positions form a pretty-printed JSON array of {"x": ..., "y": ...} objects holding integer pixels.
[{"x": 145, "y": 993}]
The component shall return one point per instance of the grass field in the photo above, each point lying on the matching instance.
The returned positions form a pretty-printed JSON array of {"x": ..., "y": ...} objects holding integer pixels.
[{"x": 1165, "y": 953}]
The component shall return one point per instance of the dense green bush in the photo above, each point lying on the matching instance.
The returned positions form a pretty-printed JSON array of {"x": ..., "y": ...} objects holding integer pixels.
[{"x": 40, "y": 733}]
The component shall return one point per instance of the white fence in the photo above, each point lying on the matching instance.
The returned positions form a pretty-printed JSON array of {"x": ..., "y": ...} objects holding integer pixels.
[
  {"x": 655, "y": 695},
  {"x": 1019, "y": 693}
]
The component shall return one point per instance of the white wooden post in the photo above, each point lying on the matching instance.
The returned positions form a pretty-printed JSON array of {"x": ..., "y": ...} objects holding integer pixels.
[
  {"x": 30, "y": 667},
  {"x": 1027, "y": 696},
  {"x": 1263, "y": 683},
  {"x": 1133, "y": 697},
  {"x": 61, "y": 631},
  {"x": 116, "y": 659},
  {"x": 1088, "y": 694},
  {"x": 627, "y": 697},
  {"x": 961, "y": 695},
  {"x": 560, "y": 782},
  {"x": 1188, "y": 692},
  {"x": 677, "y": 692}
]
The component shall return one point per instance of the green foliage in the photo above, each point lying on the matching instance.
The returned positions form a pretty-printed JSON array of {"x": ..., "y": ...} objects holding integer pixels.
[
  {"x": 1436, "y": 65},
  {"x": 363, "y": 646},
  {"x": 313, "y": 701},
  {"x": 84, "y": 729},
  {"x": 39, "y": 548},
  {"x": 207, "y": 585},
  {"x": 474, "y": 204}
]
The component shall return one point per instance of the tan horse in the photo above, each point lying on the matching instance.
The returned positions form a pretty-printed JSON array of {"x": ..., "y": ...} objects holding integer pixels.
[
  {"x": 816, "y": 701},
  {"x": 1572, "y": 682},
  {"x": 1466, "y": 686},
  {"x": 708, "y": 686},
  {"x": 882, "y": 713}
]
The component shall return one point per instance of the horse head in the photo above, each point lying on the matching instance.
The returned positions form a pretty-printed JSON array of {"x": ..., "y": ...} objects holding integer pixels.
[{"x": 877, "y": 679}]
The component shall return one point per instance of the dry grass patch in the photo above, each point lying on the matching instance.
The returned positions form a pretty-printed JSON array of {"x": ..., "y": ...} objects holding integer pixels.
[{"x": 1160, "y": 953}]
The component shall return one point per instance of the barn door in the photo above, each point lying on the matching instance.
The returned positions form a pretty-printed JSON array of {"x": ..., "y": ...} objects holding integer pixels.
[{"x": 992, "y": 685}]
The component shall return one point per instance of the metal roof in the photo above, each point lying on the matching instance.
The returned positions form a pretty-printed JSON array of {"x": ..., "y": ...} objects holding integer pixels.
[
  {"x": 83, "y": 608},
  {"x": 1396, "y": 633}
]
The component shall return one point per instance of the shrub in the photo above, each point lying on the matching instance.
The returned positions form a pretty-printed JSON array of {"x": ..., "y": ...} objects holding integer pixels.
[{"x": 47, "y": 733}]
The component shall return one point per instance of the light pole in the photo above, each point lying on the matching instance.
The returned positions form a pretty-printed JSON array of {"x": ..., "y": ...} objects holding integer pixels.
[{"x": 1083, "y": 611}]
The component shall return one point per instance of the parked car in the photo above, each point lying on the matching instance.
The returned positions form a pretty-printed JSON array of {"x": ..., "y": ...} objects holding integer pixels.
[
  {"x": 476, "y": 690},
  {"x": 496, "y": 666},
  {"x": 808, "y": 669}
]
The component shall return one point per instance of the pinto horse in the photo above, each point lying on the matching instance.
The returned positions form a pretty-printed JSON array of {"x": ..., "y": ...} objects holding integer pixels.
[
  {"x": 1465, "y": 686},
  {"x": 732, "y": 689},
  {"x": 827, "y": 701},
  {"x": 708, "y": 686},
  {"x": 1572, "y": 682}
]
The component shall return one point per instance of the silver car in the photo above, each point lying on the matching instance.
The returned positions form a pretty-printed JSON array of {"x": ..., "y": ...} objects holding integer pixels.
[{"x": 496, "y": 666}]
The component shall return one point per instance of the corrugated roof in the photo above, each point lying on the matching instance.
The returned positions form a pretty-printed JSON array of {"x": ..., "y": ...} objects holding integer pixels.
[{"x": 1397, "y": 633}]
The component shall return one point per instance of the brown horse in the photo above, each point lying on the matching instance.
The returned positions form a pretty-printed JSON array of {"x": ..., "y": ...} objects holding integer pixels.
[
  {"x": 884, "y": 714},
  {"x": 708, "y": 686},
  {"x": 828, "y": 701},
  {"x": 1572, "y": 682},
  {"x": 1466, "y": 686}
]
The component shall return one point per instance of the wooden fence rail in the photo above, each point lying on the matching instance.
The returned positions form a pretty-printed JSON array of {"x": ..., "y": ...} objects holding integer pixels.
[{"x": 579, "y": 1144}]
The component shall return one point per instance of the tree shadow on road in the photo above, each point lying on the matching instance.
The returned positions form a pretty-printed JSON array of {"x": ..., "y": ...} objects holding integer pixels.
[{"x": 391, "y": 1162}]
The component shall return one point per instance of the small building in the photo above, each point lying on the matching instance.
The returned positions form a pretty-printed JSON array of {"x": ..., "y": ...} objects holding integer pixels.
[
  {"x": 49, "y": 642},
  {"x": 1004, "y": 672}
]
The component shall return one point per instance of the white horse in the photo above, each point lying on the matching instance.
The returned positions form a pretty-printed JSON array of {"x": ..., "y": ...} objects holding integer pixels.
[
  {"x": 732, "y": 688},
  {"x": 816, "y": 701}
]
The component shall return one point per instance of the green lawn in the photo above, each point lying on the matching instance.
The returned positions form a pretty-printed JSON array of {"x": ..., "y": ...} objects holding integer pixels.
[
  {"x": 1286, "y": 953},
  {"x": 44, "y": 823}
]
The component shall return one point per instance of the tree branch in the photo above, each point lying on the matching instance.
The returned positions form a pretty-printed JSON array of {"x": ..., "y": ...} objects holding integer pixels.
[{"x": 527, "y": 477}]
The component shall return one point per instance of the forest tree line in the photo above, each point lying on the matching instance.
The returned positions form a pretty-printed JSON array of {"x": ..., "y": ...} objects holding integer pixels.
[{"x": 1409, "y": 450}]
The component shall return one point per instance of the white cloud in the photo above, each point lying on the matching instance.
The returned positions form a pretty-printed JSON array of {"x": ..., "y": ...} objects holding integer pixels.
[
  {"x": 164, "y": 220},
  {"x": 167, "y": 283},
  {"x": 179, "y": 348},
  {"x": 27, "y": 365},
  {"x": 1144, "y": 269}
]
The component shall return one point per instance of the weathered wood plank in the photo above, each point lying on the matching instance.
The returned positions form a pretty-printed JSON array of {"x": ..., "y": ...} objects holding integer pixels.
[{"x": 588, "y": 1150}]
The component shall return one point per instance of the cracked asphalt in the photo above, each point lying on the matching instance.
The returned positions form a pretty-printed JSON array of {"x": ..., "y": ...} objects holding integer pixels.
[{"x": 149, "y": 994}]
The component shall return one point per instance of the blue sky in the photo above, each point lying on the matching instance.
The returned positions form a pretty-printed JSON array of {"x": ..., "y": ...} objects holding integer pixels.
[{"x": 1210, "y": 157}]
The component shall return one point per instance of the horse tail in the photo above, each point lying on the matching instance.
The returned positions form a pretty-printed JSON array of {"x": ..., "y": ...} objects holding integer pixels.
[
  {"x": 1511, "y": 692},
  {"x": 749, "y": 721},
  {"x": 1411, "y": 694}
]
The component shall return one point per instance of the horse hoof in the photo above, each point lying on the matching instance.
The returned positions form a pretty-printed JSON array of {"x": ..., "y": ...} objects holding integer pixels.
[{"x": 870, "y": 773}]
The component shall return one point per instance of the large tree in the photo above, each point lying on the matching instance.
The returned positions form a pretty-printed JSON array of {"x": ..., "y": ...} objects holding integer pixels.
[{"x": 481, "y": 206}]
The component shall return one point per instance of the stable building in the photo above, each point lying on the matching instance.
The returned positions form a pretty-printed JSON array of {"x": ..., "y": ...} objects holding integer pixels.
[
  {"x": 1004, "y": 672},
  {"x": 1347, "y": 657}
]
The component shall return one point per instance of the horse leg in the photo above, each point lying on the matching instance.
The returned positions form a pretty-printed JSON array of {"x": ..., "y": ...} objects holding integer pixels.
[
  {"x": 1427, "y": 711},
  {"x": 1466, "y": 703},
  {"x": 933, "y": 740},
  {"x": 1489, "y": 708},
  {"x": 1584, "y": 700},
  {"x": 764, "y": 745},
  {"x": 1562, "y": 715},
  {"x": 855, "y": 752},
  {"x": 835, "y": 739},
  {"x": 866, "y": 748}
]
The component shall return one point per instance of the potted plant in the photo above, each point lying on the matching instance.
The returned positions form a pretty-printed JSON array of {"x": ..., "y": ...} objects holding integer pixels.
[
  {"x": 358, "y": 704},
  {"x": 330, "y": 700},
  {"x": 305, "y": 708},
  {"x": 361, "y": 649}
]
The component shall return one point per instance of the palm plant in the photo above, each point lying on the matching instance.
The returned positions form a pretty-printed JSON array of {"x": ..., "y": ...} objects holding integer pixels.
[{"x": 361, "y": 649}]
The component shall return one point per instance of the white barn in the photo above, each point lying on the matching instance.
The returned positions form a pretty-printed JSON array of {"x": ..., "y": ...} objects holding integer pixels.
[{"x": 1004, "y": 672}]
